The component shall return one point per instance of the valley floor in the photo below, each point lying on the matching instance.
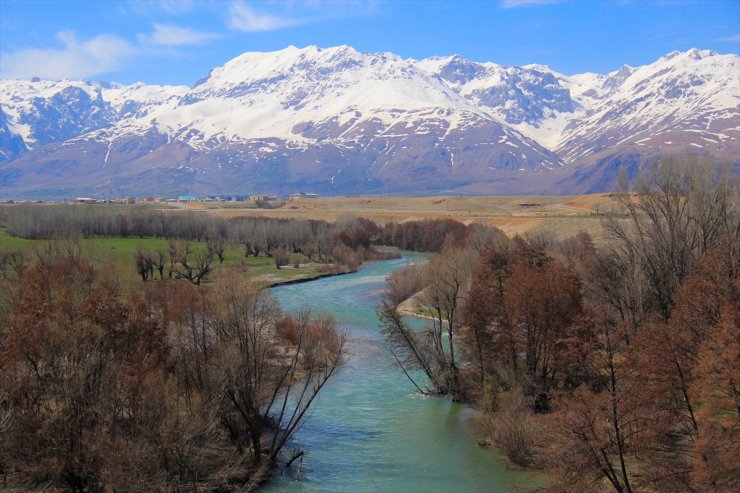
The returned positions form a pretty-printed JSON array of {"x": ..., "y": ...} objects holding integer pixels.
[{"x": 561, "y": 215}]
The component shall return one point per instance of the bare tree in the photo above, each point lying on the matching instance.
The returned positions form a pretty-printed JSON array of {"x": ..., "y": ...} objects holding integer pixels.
[
  {"x": 144, "y": 264},
  {"x": 281, "y": 257},
  {"x": 446, "y": 280},
  {"x": 194, "y": 388},
  {"x": 405, "y": 344},
  {"x": 675, "y": 215},
  {"x": 160, "y": 263},
  {"x": 216, "y": 247},
  {"x": 273, "y": 368},
  {"x": 196, "y": 268},
  {"x": 511, "y": 429}
]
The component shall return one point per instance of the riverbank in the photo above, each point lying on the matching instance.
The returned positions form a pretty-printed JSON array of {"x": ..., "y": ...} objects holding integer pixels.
[
  {"x": 260, "y": 269},
  {"x": 339, "y": 270},
  {"x": 301, "y": 280},
  {"x": 488, "y": 429},
  {"x": 370, "y": 431},
  {"x": 410, "y": 307}
]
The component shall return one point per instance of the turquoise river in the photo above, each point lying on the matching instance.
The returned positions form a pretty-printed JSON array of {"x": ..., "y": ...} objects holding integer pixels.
[{"x": 369, "y": 431}]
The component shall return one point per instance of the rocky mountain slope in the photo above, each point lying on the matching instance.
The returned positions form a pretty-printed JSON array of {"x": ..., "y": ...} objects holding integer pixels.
[{"x": 336, "y": 121}]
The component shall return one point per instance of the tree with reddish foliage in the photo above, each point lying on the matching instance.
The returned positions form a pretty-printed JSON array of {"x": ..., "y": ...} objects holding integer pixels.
[
  {"x": 431, "y": 235},
  {"x": 716, "y": 462},
  {"x": 75, "y": 355},
  {"x": 183, "y": 385},
  {"x": 542, "y": 299},
  {"x": 485, "y": 321},
  {"x": 522, "y": 306},
  {"x": 673, "y": 392},
  {"x": 690, "y": 378},
  {"x": 597, "y": 425}
]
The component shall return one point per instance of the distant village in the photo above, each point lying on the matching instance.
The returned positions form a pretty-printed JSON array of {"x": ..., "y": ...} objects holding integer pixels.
[{"x": 182, "y": 199}]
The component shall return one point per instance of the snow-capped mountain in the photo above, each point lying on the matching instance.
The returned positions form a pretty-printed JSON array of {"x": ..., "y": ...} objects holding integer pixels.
[
  {"x": 690, "y": 98},
  {"x": 580, "y": 115},
  {"x": 337, "y": 121},
  {"x": 43, "y": 112}
]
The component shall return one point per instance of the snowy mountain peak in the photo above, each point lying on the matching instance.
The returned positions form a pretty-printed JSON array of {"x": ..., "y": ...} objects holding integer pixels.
[
  {"x": 335, "y": 117},
  {"x": 692, "y": 54},
  {"x": 540, "y": 68}
]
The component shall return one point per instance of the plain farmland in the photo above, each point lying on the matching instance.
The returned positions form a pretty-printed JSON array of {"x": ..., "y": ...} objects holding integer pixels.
[{"x": 561, "y": 215}]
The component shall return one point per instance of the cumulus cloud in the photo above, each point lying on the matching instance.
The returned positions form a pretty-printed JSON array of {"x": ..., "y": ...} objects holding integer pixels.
[
  {"x": 247, "y": 19},
  {"x": 76, "y": 59},
  {"x": 169, "y": 35}
]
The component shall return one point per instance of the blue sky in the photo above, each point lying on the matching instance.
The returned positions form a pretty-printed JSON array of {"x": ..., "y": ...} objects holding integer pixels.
[{"x": 179, "y": 41}]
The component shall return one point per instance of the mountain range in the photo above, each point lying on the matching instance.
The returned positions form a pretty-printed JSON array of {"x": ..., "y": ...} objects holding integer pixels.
[{"x": 336, "y": 121}]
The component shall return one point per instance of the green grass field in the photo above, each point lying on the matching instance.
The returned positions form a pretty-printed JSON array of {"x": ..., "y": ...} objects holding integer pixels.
[
  {"x": 121, "y": 250},
  {"x": 11, "y": 242}
]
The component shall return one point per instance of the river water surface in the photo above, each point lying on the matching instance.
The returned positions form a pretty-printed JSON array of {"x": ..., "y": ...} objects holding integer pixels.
[{"x": 369, "y": 431}]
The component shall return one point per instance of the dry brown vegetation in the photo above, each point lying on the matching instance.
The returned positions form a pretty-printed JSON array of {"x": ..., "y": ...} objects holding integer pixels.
[
  {"x": 562, "y": 215},
  {"x": 612, "y": 362},
  {"x": 164, "y": 387},
  {"x": 616, "y": 366}
]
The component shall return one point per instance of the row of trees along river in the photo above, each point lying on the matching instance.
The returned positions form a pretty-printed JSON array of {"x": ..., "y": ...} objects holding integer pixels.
[{"x": 613, "y": 368}]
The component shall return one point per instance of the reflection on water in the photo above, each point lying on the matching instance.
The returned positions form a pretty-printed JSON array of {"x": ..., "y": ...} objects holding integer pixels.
[{"x": 369, "y": 431}]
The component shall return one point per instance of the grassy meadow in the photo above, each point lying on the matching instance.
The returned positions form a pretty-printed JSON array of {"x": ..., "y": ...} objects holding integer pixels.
[{"x": 120, "y": 252}]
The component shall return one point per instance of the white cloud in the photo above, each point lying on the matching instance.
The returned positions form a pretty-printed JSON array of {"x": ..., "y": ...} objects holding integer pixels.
[
  {"x": 244, "y": 18},
  {"x": 169, "y": 35},
  {"x": 176, "y": 6},
  {"x": 730, "y": 39},
  {"x": 510, "y": 4},
  {"x": 75, "y": 60},
  {"x": 149, "y": 7}
]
